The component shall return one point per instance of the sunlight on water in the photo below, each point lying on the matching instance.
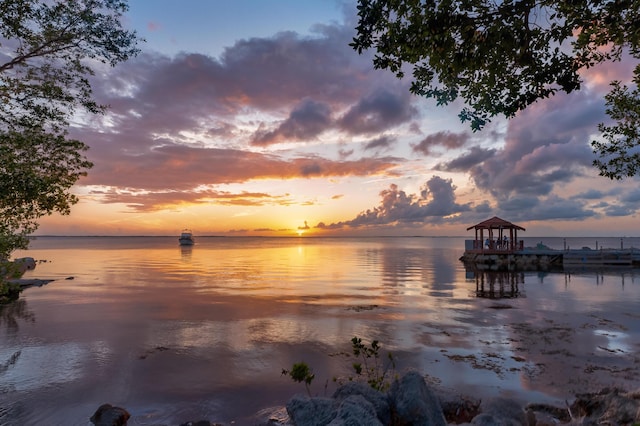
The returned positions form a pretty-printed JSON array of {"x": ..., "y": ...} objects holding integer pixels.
[{"x": 184, "y": 333}]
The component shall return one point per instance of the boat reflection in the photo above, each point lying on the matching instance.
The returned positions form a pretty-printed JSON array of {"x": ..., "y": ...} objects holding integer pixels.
[
  {"x": 497, "y": 284},
  {"x": 186, "y": 252}
]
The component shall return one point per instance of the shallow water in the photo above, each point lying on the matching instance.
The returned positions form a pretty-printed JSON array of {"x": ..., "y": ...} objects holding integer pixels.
[{"x": 175, "y": 334}]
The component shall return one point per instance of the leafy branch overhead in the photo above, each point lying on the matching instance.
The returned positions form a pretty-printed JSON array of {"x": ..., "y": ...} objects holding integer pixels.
[
  {"x": 48, "y": 52},
  {"x": 500, "y": 57}
]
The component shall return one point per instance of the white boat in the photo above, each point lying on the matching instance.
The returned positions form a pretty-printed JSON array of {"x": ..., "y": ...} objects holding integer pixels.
[{"x": 186, "y": 238}]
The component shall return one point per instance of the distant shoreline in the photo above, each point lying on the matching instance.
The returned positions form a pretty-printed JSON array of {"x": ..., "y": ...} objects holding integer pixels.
[{"x": 468, "y": 237}]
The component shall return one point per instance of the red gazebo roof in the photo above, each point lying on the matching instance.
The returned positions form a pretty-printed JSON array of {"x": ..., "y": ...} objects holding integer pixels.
[{"x": 496, "y": 223}]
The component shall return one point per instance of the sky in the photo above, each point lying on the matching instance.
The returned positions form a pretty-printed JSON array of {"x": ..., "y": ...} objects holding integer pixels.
[{"x": 256, "y": 118}]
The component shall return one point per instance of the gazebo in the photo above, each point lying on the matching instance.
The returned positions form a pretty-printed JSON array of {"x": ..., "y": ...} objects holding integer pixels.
[{"x": 501, "y": 236}]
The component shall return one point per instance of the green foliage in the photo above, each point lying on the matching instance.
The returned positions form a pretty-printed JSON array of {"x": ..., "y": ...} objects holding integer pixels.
[
  {"x": 500, "y": 57},
  {"x": 49, "y": 51},
  {"x": 8, "y": 291},
  {"x": 300, "y": 372},
  {"x": 371, "y": 367},
  {"x": 36, "y": 171},
  {"x": 50, "y": 48},
  {"x": 618, "y": 152}
]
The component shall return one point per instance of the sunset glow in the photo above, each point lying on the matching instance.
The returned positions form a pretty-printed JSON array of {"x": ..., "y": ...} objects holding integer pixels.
[{"x": 257, "y": 118}]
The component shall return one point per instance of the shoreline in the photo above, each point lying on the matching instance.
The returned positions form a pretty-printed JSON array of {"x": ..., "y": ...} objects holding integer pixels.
[{"x": 411, "y": 399}]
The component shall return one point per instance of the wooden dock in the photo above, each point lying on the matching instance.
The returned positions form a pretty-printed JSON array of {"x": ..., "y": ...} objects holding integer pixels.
[
  {"x": 601, "y": 257},
  {"x": 528, "y": 257},
  {"x": 496, "y": 246}
]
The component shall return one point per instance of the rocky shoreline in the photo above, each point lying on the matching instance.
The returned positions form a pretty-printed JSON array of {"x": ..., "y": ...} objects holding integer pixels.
[{"x": 411, "y": 401}]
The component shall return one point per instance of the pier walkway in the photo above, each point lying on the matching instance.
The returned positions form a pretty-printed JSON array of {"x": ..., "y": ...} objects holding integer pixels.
[{"x": 501, "y": 248}]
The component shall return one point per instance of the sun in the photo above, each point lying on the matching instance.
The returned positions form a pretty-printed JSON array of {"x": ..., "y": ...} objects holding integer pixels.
[{"x": 300, "y": 232}]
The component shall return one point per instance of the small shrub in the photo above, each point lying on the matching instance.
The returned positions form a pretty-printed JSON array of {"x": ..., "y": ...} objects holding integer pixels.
[
  {"x": 300, "y": 372},
  {"x": 8, "y": 291},
  {"x": 371, "y": 367}
]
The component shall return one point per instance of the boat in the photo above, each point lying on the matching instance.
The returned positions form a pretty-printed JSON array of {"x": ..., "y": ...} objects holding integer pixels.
[{"x": 186, "y": 238}]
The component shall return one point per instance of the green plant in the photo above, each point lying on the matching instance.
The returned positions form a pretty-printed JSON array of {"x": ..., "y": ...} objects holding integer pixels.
[
  {"x": 300, "y": 372},
  {"x": 377, "y": 373},
  {"x": 371, "y": 366},
  {"x": 8, "y": 291}
]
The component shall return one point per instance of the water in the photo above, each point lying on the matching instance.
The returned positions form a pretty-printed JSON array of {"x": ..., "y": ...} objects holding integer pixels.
[{"x": 174, "y": 334}]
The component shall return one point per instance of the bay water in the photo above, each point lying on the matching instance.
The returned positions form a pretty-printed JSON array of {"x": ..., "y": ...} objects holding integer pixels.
[{"x": 174, "y": 334}]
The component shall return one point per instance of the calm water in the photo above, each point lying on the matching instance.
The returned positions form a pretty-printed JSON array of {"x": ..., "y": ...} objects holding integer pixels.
[{"x": 175, "y": 334}]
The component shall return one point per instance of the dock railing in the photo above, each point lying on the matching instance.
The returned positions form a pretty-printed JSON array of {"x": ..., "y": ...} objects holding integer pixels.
[{"x": 493, "y": 246}]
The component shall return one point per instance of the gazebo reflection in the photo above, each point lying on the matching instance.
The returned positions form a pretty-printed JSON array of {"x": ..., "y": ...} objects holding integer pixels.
[{"x": 492, "y": 284}]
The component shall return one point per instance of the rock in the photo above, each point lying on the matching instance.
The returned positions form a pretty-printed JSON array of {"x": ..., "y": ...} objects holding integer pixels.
[
  {"x": 457, "y": 408},
  {"x": 548, "y": 414},
  {"x": 305, "y": 411},
  {"x": 378, "y": 400},
  {"x": 609, "y": 406},
  {"x": 108, "y": 415},
  {"x": 501, "y": 412},
  {"x": 271, "y": 416},
  {"x": 17, "y": 268},
  {"x": 25, "y": 264},
  {"x": 415, "y": 404},
  {"x": 355, "y": 410},
  {"x": 33, "y": 282}
]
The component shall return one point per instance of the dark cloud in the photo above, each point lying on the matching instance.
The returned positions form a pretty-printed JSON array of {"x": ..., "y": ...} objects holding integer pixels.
[
  {"x": 435, "y": 202},
  {"x": 527, "y": 208},
  {"x": 305, "y": 122},
  {"x": 377, "y": 112},
  {"x": 591, "y": 194},
  {"x": 546, "y": 145},
  {"x": 476, "y": 155},
  {"x": 446, "y": 140},
  {"x": 619, "y": 210},
  {"x": 381, "y": 143},
  {"x": 287, "y": 72},
  {"x": 632, "y": 196}
]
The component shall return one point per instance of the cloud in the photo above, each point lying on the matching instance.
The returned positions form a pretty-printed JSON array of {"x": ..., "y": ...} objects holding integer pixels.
[
  {"x": 177, "y": 123},
  {"x": 435, "y": 202},
  {"x": 377, "y": 112},
  {"x": 381, "y": 143},
  {"x": 183, "y": 167},
  {"x": 145, "y": 201},
  {"x": 591, "y": 194},
  {"x": 447, "y": 140},
  {"x": 305, "y": 122},
  {"x": 181, "y": 126},
  {"x": 476, "y": 155},
  {"x": 527, "y": 208},
  {"x": 545, "y": 146}
]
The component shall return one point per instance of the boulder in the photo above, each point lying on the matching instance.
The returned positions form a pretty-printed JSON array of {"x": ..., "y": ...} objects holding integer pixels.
[
  {"x": 108, "y": 415},
  {"x": 377, "y": 399},
  {"x": 355, "y": 410},
  {"x": 501, "y": 412},
  {"x": 306, "y": 411},
  {"x": 17, "y": 268},
  {"x": 415, "y": 404},
  {"x": 609, "y": 406}
]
